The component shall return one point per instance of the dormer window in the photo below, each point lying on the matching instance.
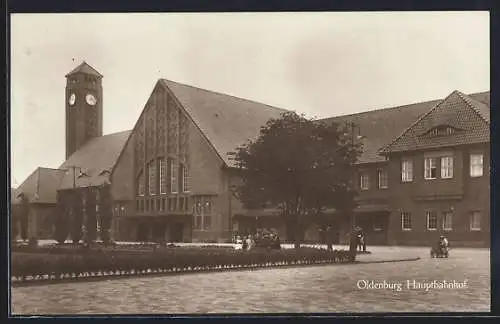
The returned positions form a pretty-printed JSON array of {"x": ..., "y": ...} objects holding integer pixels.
[{"x": 442, "y": 130}]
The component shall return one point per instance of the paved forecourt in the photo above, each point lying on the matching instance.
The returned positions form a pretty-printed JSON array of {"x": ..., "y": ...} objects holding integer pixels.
[{"x": 459, "y": 283}]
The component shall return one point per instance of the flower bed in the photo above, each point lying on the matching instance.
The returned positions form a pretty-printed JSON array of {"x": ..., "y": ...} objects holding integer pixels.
[{"x": 37, "y": 266}]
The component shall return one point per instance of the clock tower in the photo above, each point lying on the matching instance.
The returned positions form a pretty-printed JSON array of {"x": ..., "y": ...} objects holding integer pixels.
[{"x": 83, "y": 107}]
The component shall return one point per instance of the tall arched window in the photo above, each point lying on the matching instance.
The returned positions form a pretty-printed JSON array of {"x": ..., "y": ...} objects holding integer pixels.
[
  {"x": 163, "y": 176},
  {"x": 140, "y": 184},
  {"x": 173, "y": 176},
  {"x": 152, "y": 177},
  {"x": 185, "y": 185}
]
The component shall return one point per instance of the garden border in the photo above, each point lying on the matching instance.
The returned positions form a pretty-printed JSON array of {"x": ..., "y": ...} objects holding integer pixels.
[{"x": 189, "y": 270}]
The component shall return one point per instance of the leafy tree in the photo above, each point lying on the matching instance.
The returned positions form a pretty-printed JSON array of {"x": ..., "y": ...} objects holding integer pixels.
[
  {"x": 301, "y": 166},
  {"x": 24, "y": 211}
]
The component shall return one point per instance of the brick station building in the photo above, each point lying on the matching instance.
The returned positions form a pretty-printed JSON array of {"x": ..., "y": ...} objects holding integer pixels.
[{"x": 424, "y": 168}]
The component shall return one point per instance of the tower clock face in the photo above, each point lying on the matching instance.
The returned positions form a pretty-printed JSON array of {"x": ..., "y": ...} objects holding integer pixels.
[
  {"x": 72, "y": 99},
  {"x": 90, "y": 99}
]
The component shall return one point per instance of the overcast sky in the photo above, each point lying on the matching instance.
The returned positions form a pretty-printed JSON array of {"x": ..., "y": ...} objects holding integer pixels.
[{"x": 321, "y": 64}]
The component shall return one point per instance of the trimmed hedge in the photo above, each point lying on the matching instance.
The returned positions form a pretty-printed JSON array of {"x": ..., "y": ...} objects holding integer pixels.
[{"x": 59, "y": 266}]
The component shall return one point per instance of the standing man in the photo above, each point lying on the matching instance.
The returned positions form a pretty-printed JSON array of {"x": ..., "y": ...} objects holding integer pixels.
[
  {"x": 353, "y": 245},
  {"x": 329, "y": 238}
]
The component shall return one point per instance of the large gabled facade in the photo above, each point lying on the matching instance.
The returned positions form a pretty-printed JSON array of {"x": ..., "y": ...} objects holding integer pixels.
[
  {"x": 174, "y": 173},
  {"x": 171, "y": 175}
]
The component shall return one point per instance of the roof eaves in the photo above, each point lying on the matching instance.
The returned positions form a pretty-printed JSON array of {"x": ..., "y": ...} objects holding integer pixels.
[{"x": 468, "y": 102}]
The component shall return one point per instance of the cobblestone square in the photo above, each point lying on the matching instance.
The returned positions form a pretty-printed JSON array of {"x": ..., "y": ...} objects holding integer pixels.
[{"x": 335, "y": 288}]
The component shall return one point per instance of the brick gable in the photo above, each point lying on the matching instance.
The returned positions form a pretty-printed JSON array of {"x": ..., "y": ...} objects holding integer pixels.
[{"x": 468, "y": 118}]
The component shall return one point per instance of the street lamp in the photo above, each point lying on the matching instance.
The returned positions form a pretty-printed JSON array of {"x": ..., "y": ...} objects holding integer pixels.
[{"x": 350, "y": 131}]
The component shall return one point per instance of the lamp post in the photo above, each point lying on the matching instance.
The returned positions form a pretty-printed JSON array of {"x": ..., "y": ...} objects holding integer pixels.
[{"x": 350, "y": 132}]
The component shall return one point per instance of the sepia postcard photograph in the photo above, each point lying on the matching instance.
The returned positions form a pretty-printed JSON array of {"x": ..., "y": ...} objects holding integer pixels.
[{"x": 249, "y": 163}]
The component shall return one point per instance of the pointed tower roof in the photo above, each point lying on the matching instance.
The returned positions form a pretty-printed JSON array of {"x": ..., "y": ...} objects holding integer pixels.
[{"x": 86, "y": 69}]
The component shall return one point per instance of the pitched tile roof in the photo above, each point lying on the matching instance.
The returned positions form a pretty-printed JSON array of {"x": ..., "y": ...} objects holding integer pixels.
[
  {"x": 380, "y": 127},
  {"x": 92, "y": 160},
  {"x": 469, "y": 116},
  {"x": 86, "y": 69},
  {"x": 226, "y": 121},
  {"x": 40, "y": 186}
]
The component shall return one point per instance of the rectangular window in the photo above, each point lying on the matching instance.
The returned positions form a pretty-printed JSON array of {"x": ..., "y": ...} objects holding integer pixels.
[
  {"x": 430, "y": 170},
  {"x": 475, "y": 221},
  {"x": 364, "y": 181},
  {"x": 185, "y": 179},
  {"x": 207, "y": 205},
  {"x": 406, "y": 171},
  {"x": 163, "y": 204},
  {"x": 446, "y": 167},
  {"x": 152, "y": 178},
  {"x": 197, "y": 211},
  {"x": 163, "y": 176},
  {"x": 476, "y": 165},
  {"x": 406, "y": 221},
  {"x": 137, "y": 205},
  {"x": 140, "y": 185},
  {"x": 173, "y": 176},
  {"x": 197, "y": 222},
  {"x": 207, "y": 219},
  {"x": 383, "y": 180},
  {"x": 202, "y": 210},
  {"x": 158, "y": 206},
  {"x": 431, "y": 220},
  {"x": 447, "y": 221}
]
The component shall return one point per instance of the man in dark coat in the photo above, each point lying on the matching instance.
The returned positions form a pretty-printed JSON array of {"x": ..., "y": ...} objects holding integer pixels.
[
  {"x": 353, "y": 245},
  {"x": 329, "y": 238}
]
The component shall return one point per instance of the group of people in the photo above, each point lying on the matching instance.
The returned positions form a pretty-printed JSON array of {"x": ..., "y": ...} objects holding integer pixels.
[
  {"x": 360, "y": 239},
  {"x": 265, "y": 238}
]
